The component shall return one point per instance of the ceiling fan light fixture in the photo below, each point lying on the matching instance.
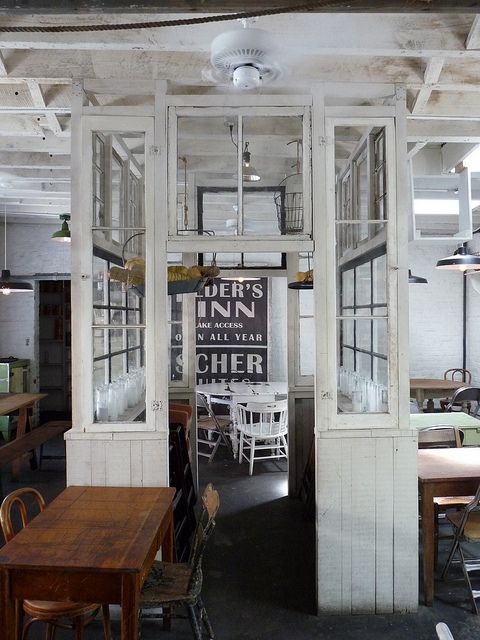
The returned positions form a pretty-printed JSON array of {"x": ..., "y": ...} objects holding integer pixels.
[
  {"x": 461, "y": 260},
  {"x": 246, "y": 77}
]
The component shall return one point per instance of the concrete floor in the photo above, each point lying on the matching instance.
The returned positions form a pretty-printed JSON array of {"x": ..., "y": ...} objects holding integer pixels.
[{"x": 259, "y": 579}]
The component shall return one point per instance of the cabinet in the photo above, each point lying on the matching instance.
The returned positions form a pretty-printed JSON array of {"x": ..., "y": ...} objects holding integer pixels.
[{"x": 54, "y": 349}]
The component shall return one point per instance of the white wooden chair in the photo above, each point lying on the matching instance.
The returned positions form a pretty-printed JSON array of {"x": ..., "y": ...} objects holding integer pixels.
[
  {"x": 263, "y": 427},
  {"x": 238, "y": 398}
]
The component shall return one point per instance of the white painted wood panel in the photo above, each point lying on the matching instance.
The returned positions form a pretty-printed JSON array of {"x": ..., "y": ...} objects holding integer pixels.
[{"x": 367, "y": 525}]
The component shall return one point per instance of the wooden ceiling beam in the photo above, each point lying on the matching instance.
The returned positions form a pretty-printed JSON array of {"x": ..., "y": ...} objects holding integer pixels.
[
  {"x": 24, "y": 7},
  {"x": 431, "y": 76},
  {"x": 39, "y": 101}
]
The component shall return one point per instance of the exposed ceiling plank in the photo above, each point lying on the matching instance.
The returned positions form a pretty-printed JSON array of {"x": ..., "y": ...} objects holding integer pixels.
[
  {"x": 423, "y": 130},
  {"x": 3, "y": 66},
  {"x": 39, "y": 101},
  {"x": 431, "y": 75},
  {"x": 47, "y": 143},
  {"x": 473, "y": 38},
  {"x": 19, "y": 160},
  {"x": 22, "y": 7}
]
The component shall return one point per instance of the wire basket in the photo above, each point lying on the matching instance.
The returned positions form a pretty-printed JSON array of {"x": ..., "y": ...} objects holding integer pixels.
[{"x": 289, "y": 205}]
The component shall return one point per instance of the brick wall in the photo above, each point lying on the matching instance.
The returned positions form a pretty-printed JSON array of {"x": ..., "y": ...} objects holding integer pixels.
[
  {"x": 30, "y": 250},
  {"x": 435, "y": 312}
]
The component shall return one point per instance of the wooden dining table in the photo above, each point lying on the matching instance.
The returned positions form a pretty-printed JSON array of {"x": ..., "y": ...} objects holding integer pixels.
[
  {"x": 91, "y": 544},
  {"x": 21, "y": 402},
  {"x": 430, "y": 388},
  {"x": 441, "y": 473}
]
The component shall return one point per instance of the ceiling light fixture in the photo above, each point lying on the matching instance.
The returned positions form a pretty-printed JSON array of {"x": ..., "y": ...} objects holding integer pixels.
[
  {"x": 461, "y": 260},
  {"x": 416, "y": 279},
  {"x": 63, "y": 234},
  {"x": 7, "y": 285}
]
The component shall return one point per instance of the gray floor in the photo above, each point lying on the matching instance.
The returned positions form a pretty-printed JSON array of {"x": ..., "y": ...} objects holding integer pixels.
[{"x": 260, "y": 570}]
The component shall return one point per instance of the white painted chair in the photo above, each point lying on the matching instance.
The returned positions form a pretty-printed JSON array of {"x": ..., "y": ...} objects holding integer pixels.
[
  {"x": 263, "y": 427},
  {"x": 238, "y": 398},
  {"x": 443, "y": 632}
]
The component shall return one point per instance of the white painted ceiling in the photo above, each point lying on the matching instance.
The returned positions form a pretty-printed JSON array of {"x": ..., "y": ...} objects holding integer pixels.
[{"x": 436, "y": 57}]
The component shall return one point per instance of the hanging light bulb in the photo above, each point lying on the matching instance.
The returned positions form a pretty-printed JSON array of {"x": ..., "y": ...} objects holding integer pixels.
[
  {"x": 63, "y": 235},
  {"x": 7, "y": 285},
  {"x": 248, "y": 172}
]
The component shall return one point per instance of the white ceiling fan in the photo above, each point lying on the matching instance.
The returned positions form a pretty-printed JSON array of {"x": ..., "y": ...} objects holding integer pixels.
[{"x": 246, "y": 58}]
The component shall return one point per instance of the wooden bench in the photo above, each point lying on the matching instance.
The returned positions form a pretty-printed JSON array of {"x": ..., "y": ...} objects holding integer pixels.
[{"x": 27, "y": 443}]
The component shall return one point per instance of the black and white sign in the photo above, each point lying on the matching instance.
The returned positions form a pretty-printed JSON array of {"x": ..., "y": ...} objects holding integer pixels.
[{"x": 231, "y": 331}]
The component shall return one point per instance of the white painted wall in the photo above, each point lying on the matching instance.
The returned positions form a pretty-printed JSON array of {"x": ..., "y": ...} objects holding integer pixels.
[
  {"x": 30, "y": 251},
  {"x": 473, "y": 318},
  {"x": 435, "y": 312},
  {"x": 277, "y": 342}
]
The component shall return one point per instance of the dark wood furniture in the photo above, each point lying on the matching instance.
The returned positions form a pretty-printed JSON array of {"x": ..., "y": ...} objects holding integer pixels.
[
  {"x": 442, "y": 472},
  {"x": 429, "y": 388},
  {"x": 91, "y": 544},
  {"x": 15, "y": 449}
]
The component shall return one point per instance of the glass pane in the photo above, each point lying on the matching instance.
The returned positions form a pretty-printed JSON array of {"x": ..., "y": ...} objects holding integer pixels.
[
  {"x": 176, "y": 338},
  {"x": 360, "y": 162},
  {"x": 270, "y": 151},
  {"x": 118, "y": 375}
]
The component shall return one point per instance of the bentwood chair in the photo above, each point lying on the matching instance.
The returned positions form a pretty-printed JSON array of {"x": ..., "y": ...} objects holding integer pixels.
[
  {"x": 263, "y": 427},
  {"x": 464, "y": 396},
  {"x": 466, "y": 524},
  {"x": 170, "y": 585},
  {"x": 462, "y": 375},
  {"x": 64, "y": 615}
]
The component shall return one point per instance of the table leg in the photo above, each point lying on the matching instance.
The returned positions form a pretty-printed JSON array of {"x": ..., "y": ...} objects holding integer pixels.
[
  {"x": 7, "y": 608},
  {"x": 420, "y": 397},
  {"x": 130, "y": 607},
  {"x": 428, "y": 541},
  {"x": 168, "y": 543},
  {"x": 22, "y": 425}
]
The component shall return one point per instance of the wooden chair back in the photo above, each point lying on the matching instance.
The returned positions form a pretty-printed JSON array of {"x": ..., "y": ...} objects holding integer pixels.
[
  {"x": 16, "y": 499},
  {"x": 440, "y": 436},
  {"x": 462, "y": 375},
  {"x": 206, "y": 525}
]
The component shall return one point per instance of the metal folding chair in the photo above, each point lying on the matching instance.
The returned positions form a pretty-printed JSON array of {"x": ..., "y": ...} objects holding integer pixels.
[{"x": 212, "y": 430}]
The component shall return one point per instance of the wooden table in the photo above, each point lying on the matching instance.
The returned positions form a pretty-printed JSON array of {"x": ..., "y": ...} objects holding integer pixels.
[
  {"x": 91, "y": 544},
  {"x": 442, "y": 472},
  {"x": 21, "y": 402},
  {"x": 421, "y": 388}
]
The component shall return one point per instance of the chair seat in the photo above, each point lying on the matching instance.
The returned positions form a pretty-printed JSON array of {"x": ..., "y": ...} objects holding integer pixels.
[
  {"x": 452, "y": 501},
  {"x": 167, "y": 582},
  {"x": 44, "y": 609},
  {"x": 471, "y": 532},
  {"x": 208, "y": 423}
]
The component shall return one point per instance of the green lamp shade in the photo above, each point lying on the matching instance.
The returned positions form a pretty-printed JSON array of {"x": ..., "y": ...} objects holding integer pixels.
[{"x": 63, "y": 234}]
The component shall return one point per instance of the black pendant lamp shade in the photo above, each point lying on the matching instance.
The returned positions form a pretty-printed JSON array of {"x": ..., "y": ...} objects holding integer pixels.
[
  {"x": 416, "y": 279},
  {"x": 461, "y": 260},
  {"x": 7, "y": 284}
]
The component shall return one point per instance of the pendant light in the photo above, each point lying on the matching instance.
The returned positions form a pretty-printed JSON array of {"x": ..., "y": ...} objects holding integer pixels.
[
  {"x": 306, "y": 281},
  {"x": 461, "y": 260},
  {"x": 63, "y": 234},
  {"x": 7, "y": 285},
  {"x": 416, "y": 279},
  {"x": 248, "y": 172}
]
